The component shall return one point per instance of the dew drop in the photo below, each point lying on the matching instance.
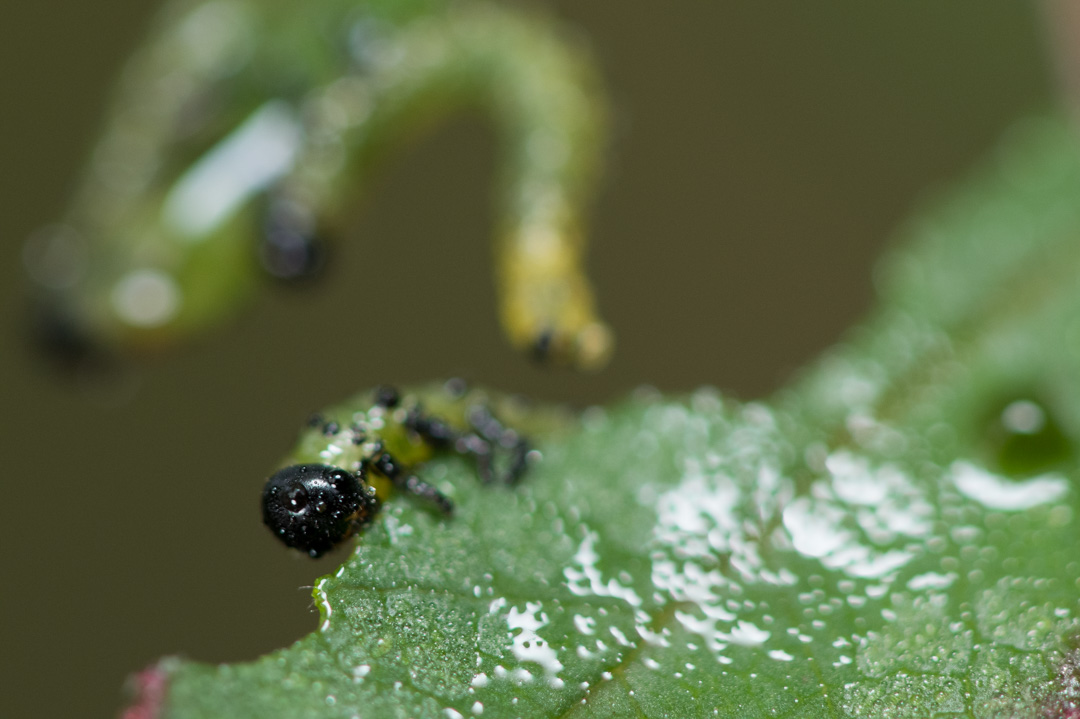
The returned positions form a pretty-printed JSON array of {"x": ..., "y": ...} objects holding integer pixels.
[{"x": 1025, "y": 438}]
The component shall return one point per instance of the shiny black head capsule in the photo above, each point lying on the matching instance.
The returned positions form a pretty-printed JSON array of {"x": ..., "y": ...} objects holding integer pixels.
[
  {"x": 315, "y": 507},
  {"x": 63, "y": 340}
]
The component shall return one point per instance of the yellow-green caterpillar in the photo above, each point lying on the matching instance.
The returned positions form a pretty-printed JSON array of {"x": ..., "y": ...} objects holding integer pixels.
[
  {"x": 351, "y": 455},
  {"x": 243, "y": 128}
]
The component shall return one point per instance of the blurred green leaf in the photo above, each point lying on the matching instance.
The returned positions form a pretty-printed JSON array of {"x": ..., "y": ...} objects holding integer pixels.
[{"x": 895, "y": 535}]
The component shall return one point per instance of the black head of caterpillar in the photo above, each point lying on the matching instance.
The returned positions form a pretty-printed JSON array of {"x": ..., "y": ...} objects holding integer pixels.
[
  {"x": 315, "y": 507},
  {"x": 382, "y": 439}
]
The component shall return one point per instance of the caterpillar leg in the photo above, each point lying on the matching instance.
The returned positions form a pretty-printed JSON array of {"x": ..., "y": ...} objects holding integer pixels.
[
  {"x": 496, "y": 435},
  {"x": 385, "y": 464},
  {"x": 486, "y": 437}
]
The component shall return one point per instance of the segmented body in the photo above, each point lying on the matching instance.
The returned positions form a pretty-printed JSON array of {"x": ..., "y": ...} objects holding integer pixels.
[
  {"x": 244, "y": 128},
  {"x": 350, "y": 457}
]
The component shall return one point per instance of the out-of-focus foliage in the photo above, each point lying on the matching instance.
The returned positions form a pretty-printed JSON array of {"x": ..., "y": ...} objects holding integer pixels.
[{"x": 893, "y": 536}]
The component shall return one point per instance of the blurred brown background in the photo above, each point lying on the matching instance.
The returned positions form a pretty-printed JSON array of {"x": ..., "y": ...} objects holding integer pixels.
[{"x": 763, "y": 153}]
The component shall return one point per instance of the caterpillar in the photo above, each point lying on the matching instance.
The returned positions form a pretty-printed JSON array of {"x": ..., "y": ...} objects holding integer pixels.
[
  {"x": 351, "y": 456},
  {"x": 242, "y": 130}
]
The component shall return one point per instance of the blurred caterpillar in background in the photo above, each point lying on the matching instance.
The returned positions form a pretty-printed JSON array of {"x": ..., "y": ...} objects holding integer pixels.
[{"x": 243, "y": 128}]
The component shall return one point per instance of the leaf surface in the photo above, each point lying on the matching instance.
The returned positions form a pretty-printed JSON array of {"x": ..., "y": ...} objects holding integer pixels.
[{"x": 894, "y": 535}]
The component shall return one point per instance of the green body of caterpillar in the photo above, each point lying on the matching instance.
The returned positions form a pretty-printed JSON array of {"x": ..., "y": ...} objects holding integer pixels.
[
  {"x": 351, "y": 457},
  {"x": 244, "y": 128}
]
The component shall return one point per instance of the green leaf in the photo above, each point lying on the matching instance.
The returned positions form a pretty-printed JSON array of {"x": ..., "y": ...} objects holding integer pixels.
[{"x": 895, "y": 535}]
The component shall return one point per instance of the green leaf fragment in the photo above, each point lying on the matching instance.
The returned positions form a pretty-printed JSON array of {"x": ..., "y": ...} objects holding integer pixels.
[{"x": 867, "y": 545}]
